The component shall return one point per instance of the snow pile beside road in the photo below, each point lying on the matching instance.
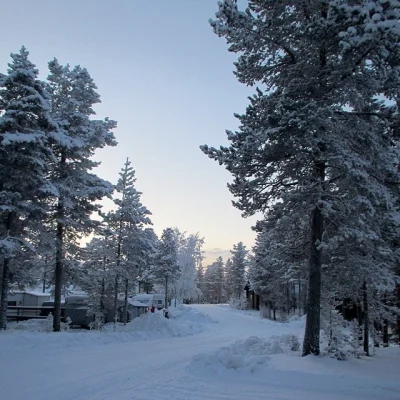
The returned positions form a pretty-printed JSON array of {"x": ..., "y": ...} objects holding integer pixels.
[
  {"x": 34, "y": 325},
  {"x": 156, "y": 325},
  {"x": 37, "y": 333},
  {"x": 244, "y": 355},
  {"x": 187, "y": 313},
  {"x": 31, "y": 325}
]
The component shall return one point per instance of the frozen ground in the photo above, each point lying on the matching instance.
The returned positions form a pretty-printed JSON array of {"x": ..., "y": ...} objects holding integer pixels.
[{"x": 205, "y": 352}]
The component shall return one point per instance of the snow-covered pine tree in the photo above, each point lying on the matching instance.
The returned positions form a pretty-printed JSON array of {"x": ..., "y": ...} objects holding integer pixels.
[
  {"x": 151, "y": 242},
  {"x": 220, "y": 269},
  {"x": 41, "y": 261},
  {"x": 189, "y": 255},
  {"x": 138, "y": 250},
  {"x": 97, "y": 276},
  {"x": 200, "y": 280},
  {"x": 315, "y": 126},
  {"x": 214, "y": 281},
  {"x": 73, "y": 95},
  {"x": 166, "y": 269},
  {"x": 228, "y": 283},
  {"x": 238, "y": 269},
  {"x": 210, "y": 284},
  {"x": 278, "y": 269},
  {"x": 128, "y": 220},
  {"x": 25, "y": 125}
]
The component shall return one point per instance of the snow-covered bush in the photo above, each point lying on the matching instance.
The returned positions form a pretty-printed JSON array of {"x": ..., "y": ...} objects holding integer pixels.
[
  {"x": 98, "y": 322},
  {"x": 294, "y": 343},
  {"x": 238, "y": 304},
  {"x": 343, "y": 340},
  {"x": 49, "y": 323}
]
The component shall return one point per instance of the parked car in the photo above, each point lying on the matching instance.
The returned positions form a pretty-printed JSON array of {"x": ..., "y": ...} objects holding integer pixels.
[
  {"x": 76, "y": 309},
  {"x": 46, "y": 312}
]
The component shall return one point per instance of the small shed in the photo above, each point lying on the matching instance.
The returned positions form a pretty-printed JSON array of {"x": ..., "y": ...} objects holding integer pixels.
[
  {"x": 31, "y": 299},
  {"x": 253, "y": 299}
]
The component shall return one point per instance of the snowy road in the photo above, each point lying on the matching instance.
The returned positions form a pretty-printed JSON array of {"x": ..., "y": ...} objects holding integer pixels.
[{"x": 162, "y": 369}]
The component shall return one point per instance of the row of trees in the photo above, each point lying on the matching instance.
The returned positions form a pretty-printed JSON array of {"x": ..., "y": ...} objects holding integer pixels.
[
  {"x": 223, "y": 282},
  {"x": 135, "y": 257},
  {"x": 49, "y": 199},
  {"x": 48, "y": 191},
  {"x": 317, "y": 151}
]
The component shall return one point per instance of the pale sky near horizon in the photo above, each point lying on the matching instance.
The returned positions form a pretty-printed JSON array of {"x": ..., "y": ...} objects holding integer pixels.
[{"x": 167, "y": 79}]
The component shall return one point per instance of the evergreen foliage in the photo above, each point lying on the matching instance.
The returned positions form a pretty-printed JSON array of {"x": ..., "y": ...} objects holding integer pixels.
[
  {"x": 25, "y": 156},
  {"x": 317, "y": 139}
]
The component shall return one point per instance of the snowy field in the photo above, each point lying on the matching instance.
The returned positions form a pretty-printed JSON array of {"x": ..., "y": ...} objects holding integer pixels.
[{"x": 203, "y": 352}]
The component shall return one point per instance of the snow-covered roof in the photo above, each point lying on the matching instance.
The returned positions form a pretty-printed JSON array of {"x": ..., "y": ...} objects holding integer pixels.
[
  {"x": 39, "y": 294},
  {"x": 33, "y": 293},
  {"x": 135, "y": 303},
  {"x": 143, "y": 299},
  {"x": 144, "y": 296}
]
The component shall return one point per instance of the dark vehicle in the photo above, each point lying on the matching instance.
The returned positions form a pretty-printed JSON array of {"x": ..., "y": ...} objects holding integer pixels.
[
  {"x": 77, "y": 310},
  {"x": 46, "y": 311}
]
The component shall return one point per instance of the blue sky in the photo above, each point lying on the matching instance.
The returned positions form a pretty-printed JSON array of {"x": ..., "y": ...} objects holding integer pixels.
[{"x": 167, "y": 79}]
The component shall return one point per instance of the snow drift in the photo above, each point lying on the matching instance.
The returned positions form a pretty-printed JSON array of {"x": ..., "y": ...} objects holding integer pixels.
[
  {"x": 187, "y": 313},
  {"x": 147, "y": 327},
  {"x": 183, "y": 321},
  {"x": 244, "y": 355}
]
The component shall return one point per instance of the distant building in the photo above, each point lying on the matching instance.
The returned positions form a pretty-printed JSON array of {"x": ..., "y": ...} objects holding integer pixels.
[
  {"x": 253, "y": 299},
  {"x": 32, "y": 299}
]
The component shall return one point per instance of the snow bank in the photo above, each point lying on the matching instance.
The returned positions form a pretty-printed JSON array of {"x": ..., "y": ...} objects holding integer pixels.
[
  {"x": 31, "y": 325},
  {"x": 34, "y": 325},
  {"x": 147, "y": 327},
  {"x": 244, "y": 355},
  {"x": 160, "y": 369},
  {"x": 187, "y": 313},
  {"x": 182, "y": 322}
]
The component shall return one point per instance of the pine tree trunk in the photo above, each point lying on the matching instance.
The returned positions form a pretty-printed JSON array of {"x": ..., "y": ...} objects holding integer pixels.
[
  {"x": 10, "y": 229},
  {"x": 294, "y": 297},
  {"x": 126, "y": 301},
  {"x": 288, "y": 303},
  {"x": 330, "y": 329},
  {"x": 58, "y": 273},
  {"x": 166, "y": 291},
  {"x": 44, "y": 283},
  {"x": 313, "y": 322},
  {"x": 59, "y": 270},
  {"x": 4, "y": 294},
  {"x": 102, "y": 295},
  {"x": 366, "y": 319},
  {"x": 305, "y": 297},
  {"x": 385, "y": 333},
  {"x": 117, "y": 276},
  {"x": 299, "y": 297},
  {"x": 116, "y": 301},
  {"x": 398, "y": 317},
  {"x": 385, "y": 328},
  {"x": 44, "y": 275}
]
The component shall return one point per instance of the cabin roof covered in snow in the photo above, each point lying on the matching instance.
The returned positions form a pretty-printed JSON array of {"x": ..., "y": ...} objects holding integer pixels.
[{"x": 33, "y": 293}]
